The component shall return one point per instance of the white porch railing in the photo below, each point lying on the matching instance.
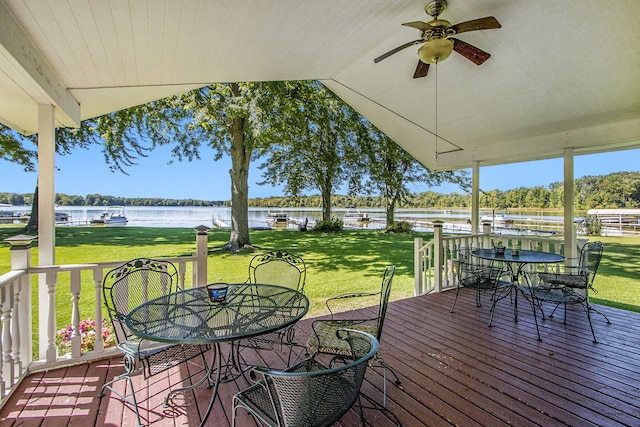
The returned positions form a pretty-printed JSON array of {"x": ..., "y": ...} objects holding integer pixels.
[
  {"x": 16, "y": 338},
  {"x": 433, "y": 261}
]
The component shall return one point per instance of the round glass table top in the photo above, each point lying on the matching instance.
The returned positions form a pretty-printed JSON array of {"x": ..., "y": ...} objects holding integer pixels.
[
  {"x": 524, "y": 256},
  {"x": 191, "y": 317}
]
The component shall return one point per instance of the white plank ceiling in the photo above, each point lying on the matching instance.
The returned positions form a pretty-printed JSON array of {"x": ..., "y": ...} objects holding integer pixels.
[{"x": 561, "y": 75}]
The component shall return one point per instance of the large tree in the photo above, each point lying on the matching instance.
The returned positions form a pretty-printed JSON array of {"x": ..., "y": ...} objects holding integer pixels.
[
  {"x": 226, "y": 117},
  {"x": 388, "y": 169},
  {"x": 312, "y": 141}
]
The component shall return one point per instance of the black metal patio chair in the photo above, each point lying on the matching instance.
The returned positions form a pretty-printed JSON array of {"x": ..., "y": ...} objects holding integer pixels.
[
  {"x": 276, "y": 268},
  {"x": 572, "y": 286},
  {"x": 124, "y": 288},
  {"x": 324, "y": 337},
  {"x": 476, "y": 274},
  {"x": 310, "y": 393}
]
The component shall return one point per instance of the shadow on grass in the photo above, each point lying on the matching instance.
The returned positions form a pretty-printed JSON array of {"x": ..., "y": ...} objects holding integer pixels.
[
  {"x": 351, "y": 250},
  {"x": 364, "y": 251}
]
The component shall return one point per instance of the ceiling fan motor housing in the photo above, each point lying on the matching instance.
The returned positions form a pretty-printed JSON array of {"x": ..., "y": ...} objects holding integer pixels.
[
  {"x": 438, "y": 47},
  {"x": 436, "y": 7}
]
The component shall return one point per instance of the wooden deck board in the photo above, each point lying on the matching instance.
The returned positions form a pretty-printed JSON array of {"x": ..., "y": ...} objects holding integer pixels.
[{"x": 455, "y": 370}]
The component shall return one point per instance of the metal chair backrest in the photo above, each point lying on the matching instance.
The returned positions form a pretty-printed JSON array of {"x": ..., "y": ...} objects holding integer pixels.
[
  {"x": 278, "y": 268},
  {"x": 463, "y": 264},
  {"x": 470, "y": 270},
  {"x": 590, "y": 259},
  {"x": 312, "y": 397},
  {"x": 133, "y": 283},
  {"x": 385, "y": 292}
]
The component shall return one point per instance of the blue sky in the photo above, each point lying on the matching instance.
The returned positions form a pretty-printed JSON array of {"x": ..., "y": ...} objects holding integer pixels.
[{"x": 85, "y": 172}]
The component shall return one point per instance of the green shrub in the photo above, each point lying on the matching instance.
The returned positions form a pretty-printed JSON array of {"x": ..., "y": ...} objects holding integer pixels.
[
  {"x": 332, "y": 226},
  {"x": 594, "y": 225},
  {"x": 399, "y": 227}
]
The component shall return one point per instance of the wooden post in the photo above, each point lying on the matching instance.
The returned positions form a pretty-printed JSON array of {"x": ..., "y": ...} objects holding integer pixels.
[
  {"x": 570, "y": 242},
  {"x": 486, "y": 231},
  {"x": 46, "y": 227},
  {"x": 418, "y": 273},
  {"x": 202, "y": 251},
  {"x": 475, "y": 196},
  {"x": 438, "y": 259}
]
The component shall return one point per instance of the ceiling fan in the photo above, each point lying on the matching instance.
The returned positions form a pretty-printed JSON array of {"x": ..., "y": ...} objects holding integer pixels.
[{"x": 437, "y": 36}]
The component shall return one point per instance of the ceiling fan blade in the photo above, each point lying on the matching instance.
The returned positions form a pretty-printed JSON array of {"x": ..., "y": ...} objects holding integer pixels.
[
  {"x": 472, "y": 53},
  {"x": 488, "y": 23},
  {"x": 396, "y": 50},
  {"x": 421, "y": 70},
  {"x": 422, "y": 26}
]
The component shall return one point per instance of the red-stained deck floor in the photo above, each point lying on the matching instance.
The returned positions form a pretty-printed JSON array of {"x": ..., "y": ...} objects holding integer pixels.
[{"x": 455, "y": 371}]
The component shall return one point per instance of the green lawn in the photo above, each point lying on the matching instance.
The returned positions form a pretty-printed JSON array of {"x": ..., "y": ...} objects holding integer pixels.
[
  {"x": 618, "y": 279},
  {"x": 336, "y": 263}
]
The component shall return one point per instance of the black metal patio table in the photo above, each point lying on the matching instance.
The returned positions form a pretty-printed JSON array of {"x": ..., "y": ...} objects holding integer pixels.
[
  {"x": 516, "y": 263},
  {"x": 191, "y": 317}
]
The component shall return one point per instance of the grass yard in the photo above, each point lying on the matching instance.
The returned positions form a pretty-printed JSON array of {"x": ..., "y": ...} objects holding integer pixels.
[{"x": 336, "y": 263}]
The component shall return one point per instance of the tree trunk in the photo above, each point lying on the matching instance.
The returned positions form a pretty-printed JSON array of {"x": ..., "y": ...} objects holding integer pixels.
[
  {"x": 326, "y": 201},
  {"x": 32, "y": 224},
  {"x": 391, "y": 206},
  {"x": 240, "y": 160}
]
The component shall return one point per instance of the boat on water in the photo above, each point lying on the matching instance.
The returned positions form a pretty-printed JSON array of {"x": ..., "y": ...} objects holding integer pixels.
[
  {"x": 114, "y": 215},
  {"x": 220, "y": 223},
  {"x": 279, "y": 217},
  {"x": 356, "y": 215},
  {"x": 62, "y": 216},
  {"x": 6, "y": 216},
  {"x": 498, "y": 219},
  {"x": 3, "y": 211}
]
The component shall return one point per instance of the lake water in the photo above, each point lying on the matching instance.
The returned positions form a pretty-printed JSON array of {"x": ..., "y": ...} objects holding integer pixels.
[{"x": 191, "y": 217}]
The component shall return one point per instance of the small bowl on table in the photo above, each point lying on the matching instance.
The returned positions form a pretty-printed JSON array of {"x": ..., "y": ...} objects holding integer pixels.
[
  {"x": 217, "y": 291},
  {"x": 499, "y": 250}
]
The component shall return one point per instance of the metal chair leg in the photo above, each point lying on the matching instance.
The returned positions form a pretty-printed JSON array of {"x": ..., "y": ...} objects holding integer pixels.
[{"x": 378, "y": 361}]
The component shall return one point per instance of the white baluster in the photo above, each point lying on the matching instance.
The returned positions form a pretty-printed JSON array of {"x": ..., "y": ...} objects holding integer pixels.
[
  {"x": 97, "y": 283},
  {"x": 3, "y": 383},
  {"x": 7, "y": 359},
  {"x": 51, "y": 351},
  {"x": 76, "y": 335},
  {"x": 15, "y": 328}
]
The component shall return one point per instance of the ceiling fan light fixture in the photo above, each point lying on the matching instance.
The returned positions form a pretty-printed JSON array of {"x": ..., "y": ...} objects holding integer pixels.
[{"x": 435, "y": 51}]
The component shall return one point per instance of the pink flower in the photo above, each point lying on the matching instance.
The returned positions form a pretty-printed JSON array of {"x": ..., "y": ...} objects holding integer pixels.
[{"x": 87, "y": 330}]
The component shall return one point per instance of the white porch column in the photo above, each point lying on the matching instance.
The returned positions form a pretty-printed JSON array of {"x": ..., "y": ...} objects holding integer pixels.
[
  {"x": 570, "y": 241},
  {"x": 201, "y": 253},
  {"x": 475, "y": 197},
  {"x": 46, "y": 217},
  {"x": 438, "y": 257}
]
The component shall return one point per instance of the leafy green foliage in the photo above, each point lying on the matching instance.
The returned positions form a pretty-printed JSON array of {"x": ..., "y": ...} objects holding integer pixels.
[
  {"x": 18, "y": 149},
  {"x": 313, "y": 141},
  {"x": 399, "y": 227},
  {"x": 593, "y": 225},
  {"x": 625, "y": 195},
  {"x": 332, "y": 226},
  {"x": 388, "y": 170}
]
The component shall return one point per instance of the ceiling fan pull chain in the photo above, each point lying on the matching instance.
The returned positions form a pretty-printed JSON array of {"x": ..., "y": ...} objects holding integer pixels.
[{"x": 436, "y": 108}]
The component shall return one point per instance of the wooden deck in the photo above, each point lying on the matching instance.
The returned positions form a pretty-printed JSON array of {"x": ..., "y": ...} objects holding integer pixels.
[{"x": 455, "y": 370}]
